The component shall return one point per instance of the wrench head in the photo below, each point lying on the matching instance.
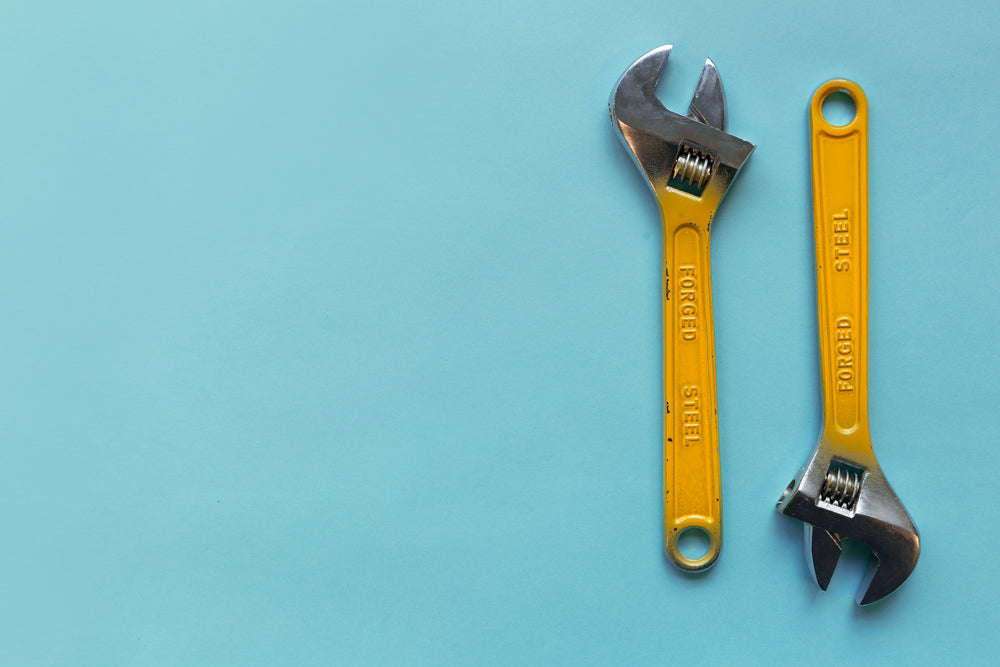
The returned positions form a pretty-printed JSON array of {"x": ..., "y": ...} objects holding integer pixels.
[
  {"x": 840, "y": 500},
  {"x": 659, "y": 138}
]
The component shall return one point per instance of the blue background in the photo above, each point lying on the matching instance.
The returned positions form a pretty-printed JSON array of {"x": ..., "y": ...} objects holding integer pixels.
[{"x": 332, "y": 333}]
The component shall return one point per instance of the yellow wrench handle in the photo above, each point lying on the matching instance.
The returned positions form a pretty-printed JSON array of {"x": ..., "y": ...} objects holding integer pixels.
[
  {"x": 692, "y": 496},
  {"x": 840, "y": 216}
]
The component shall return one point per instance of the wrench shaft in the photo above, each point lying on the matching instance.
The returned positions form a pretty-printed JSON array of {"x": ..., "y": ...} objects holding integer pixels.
[
  {"x": 691, "y": 481},
  {"x": 840, "y": 216}
]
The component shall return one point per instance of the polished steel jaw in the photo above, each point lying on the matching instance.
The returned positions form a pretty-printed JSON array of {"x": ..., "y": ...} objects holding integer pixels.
[
  {"x": 841, "y": 492},
  {"x": 689, "y": 163}
]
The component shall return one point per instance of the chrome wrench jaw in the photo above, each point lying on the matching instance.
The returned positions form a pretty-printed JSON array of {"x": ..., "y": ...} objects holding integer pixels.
[
  {"x": 838, "y": 499},
  {"x": 656, "y": 136}
]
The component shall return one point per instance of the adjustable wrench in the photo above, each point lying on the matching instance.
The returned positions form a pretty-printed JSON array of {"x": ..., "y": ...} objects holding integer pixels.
[
  {"x": 689, "y": 162},
  {"x": 841, "y": 492}
]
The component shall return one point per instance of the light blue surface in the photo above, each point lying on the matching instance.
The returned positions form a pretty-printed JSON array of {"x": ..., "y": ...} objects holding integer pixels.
[{"x": 332, "y": 333}]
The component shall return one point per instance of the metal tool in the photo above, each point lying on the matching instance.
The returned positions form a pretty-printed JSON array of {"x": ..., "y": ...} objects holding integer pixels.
[
  {"x": 690, "y": 162},
  {"x": 841, "y": 492}
]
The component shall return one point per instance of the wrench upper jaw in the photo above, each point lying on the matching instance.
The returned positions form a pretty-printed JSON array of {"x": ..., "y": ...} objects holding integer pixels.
[
  {"x": 897, "y": 552},
  {"x": 878, "y": 520},
  {"x": 884, "y": 526},
  {"x": 636, "y": 89}
]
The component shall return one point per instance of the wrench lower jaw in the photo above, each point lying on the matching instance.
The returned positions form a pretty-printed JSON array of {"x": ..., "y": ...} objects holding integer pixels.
[{"x": 823, "y": 551}]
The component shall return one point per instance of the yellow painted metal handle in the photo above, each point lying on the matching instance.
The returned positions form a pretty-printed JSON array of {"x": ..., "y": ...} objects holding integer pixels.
[
  {"x": 692, "y": 497},
  {"x": 840, "y": 216}
]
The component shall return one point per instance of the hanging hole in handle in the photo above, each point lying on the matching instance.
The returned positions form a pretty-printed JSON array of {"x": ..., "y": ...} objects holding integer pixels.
[
  {"x": 839, "y": 108},
  {"x": 694, "y": 543}
]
